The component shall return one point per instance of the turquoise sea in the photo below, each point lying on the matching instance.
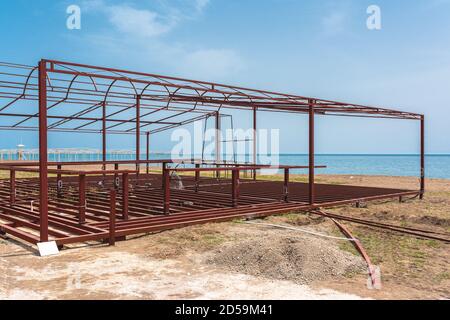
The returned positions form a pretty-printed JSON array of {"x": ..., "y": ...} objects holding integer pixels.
[{"x": 437, "y": 166}]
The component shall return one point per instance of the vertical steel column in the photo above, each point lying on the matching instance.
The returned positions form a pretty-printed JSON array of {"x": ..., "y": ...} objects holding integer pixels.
[
  {"x": 197, "y": 176},
  {"x": 82, "y": 199},
  {"x": 138, "y": 136},
  {"x": 43, "y": 160},
  {"x": 166, "y": 184},
  {"x": 104, "y": 135},
  {"x": 218, "y": 138},
  {"x": 12, "y": 190},
  {"x": 422, "y": 157},
  {"x": 112, "y": 218},
  {"x": 148, "y": 152},
  {"x": 286, "y": 184},
  {"x": 59, "y": 182},
  {"x": 312, "y": 195},
  {"x": 235, "y": 187},
  {"x": 116, "y": 176},
  {"x": 163, "y": 181},
  {"x": 125, "y": 194},
  {"x": 255, "y": 142}
]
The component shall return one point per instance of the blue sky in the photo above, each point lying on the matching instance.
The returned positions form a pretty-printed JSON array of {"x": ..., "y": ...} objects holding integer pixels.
[{"x": 311, "y": 48}]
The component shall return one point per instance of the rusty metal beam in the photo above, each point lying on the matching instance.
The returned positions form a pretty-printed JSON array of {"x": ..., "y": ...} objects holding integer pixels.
[
  {"x": 422, "y": 157},
  {"x": 218, "y": 140},
  {"x": 104, "y": 134},
  {"x": 311, "y": 154},
  {"x": 255, "y": 141},
  {"x": 43, "y": 161},
  {"x": 286, "y": 184},
  {"x": 112, "y": 218},
  {"x": 125, "y": 195},
  {"x": 138, "y": 135},
  {"x": 197, "y": 177},
  {"x": 166, "y": 187},
  {"x": 82, "y": 202},
  {"x": 148, "y": 153},
  {"x": 12, "y": 182},
  {"x": 235, "y": 188},
  {"x": 59, "y": 182}
]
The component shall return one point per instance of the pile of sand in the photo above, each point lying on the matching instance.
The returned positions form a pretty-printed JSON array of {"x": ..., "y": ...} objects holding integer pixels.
[{"x": 290, "y": 257}]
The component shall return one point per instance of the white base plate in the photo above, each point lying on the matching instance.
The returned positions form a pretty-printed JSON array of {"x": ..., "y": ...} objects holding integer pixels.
[{"x": 48, "y": 248}]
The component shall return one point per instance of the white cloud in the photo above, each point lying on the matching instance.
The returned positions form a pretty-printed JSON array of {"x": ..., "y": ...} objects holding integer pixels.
[
  {"x": 135, "y": 22},
  {"x": 129, "y": 18},
  {"x": 133, "y": 26},
  {"x": 201, "y": 4},
  {"x": 144, "y": 23}
]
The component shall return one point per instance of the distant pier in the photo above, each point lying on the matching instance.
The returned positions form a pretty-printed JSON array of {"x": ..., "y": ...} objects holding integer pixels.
[{"x": 62, "y": 155}]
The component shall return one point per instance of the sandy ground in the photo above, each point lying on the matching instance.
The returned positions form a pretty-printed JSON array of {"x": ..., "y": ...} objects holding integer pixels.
[
  {"x": 241, "y": 261},
  {"x": 141, "y": 269}
]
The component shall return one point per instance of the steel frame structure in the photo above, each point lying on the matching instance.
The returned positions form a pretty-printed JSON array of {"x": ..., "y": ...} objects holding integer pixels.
[{"x": 74, "y": 97}]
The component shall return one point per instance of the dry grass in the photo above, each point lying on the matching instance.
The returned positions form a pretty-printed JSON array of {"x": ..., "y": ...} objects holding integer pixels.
[{"x": 19, "y": 175}]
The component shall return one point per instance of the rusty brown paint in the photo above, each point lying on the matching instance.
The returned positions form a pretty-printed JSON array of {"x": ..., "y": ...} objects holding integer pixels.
[
  {"x": 43, "y": 161},
  {"x": 112, "y": 218},
  {"x": 125, "y": 195},
  {"x": 82, "y": 199}
]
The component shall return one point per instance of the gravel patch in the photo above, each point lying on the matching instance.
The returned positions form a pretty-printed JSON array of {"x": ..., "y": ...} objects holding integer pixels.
[{"x": 294, "y": 258}]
